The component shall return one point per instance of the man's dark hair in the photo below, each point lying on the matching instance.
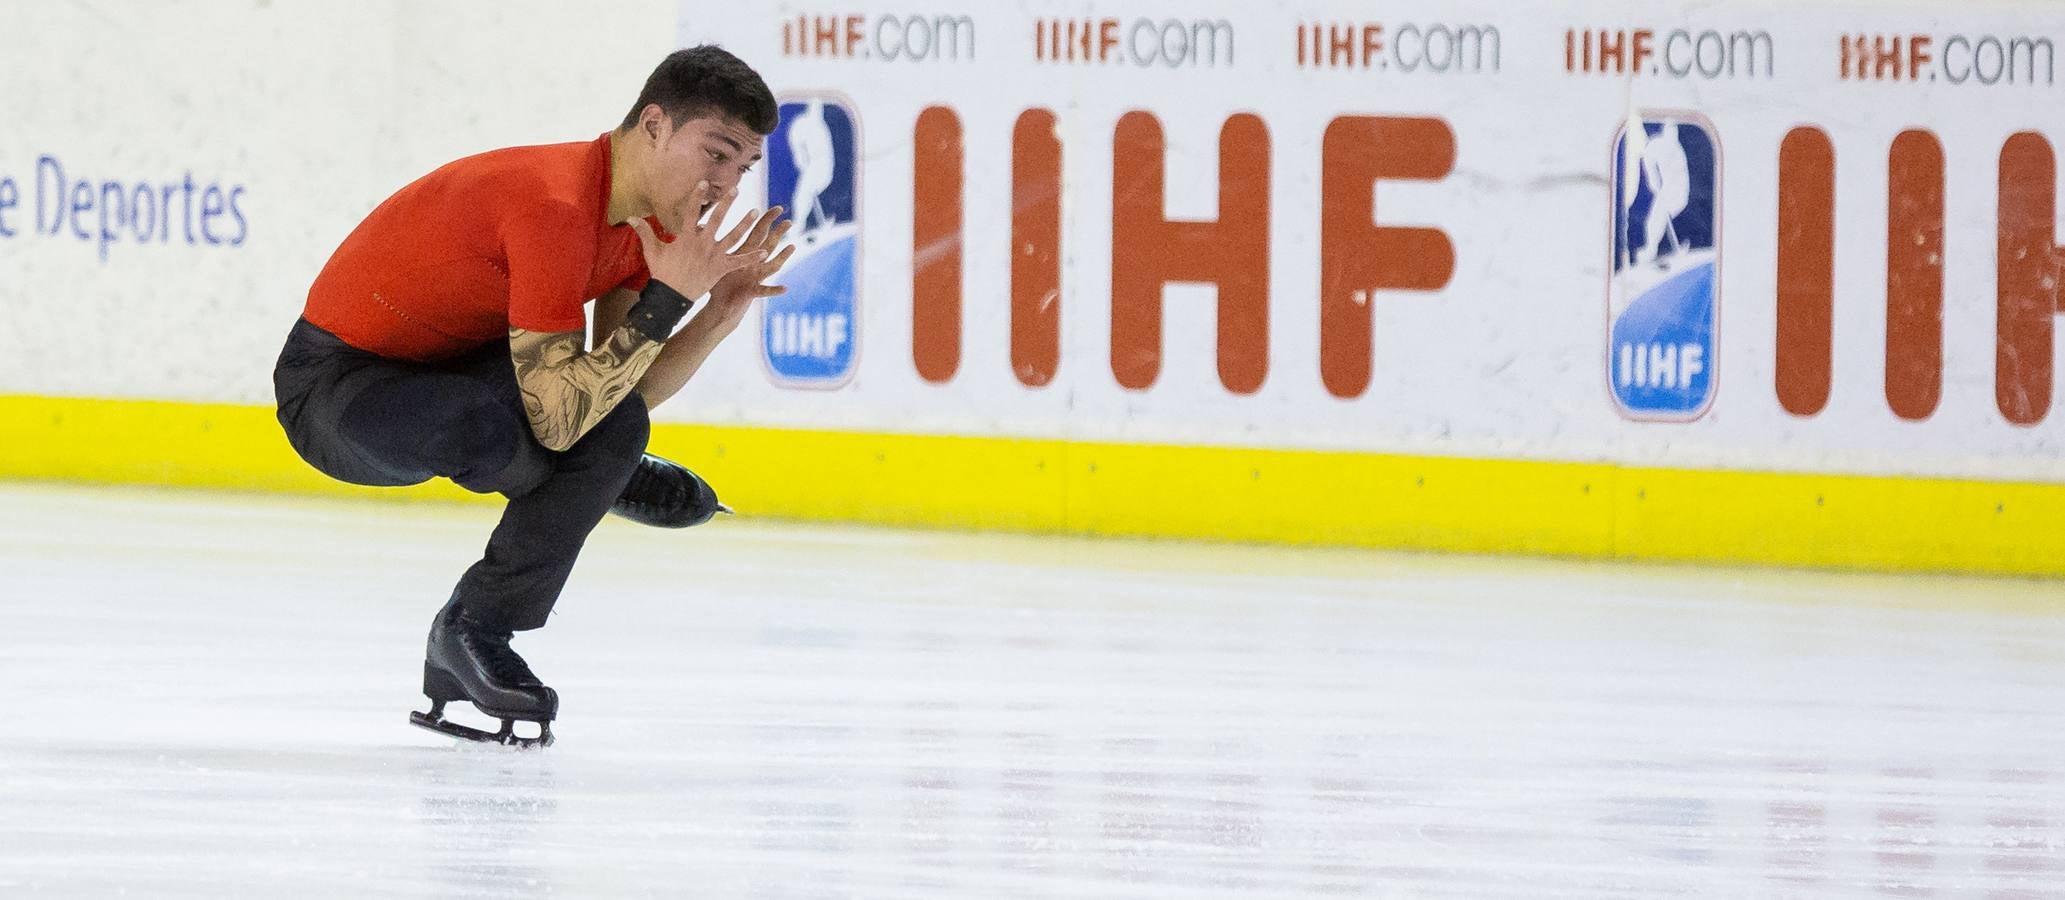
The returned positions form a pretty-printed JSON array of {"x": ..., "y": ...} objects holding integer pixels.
[{"x": 707, "y": 80}]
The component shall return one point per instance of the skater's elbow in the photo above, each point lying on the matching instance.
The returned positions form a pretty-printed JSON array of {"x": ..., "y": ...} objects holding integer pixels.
[
  {"x": 554, "y": 429},
  {"x": 553, "y": 439}
]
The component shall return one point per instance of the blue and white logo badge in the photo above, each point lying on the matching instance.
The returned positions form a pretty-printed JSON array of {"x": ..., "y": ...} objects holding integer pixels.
[
  {"x": 1661, "y": 310},
  {"x": 808, "y": 335}
]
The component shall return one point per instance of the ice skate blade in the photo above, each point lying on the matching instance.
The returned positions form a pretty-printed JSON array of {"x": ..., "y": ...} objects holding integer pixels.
[{"x": 506, "y": 737}]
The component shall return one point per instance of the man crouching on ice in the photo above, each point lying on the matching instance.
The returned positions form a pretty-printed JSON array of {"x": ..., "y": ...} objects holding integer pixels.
[{"x": 445, "y": 338}]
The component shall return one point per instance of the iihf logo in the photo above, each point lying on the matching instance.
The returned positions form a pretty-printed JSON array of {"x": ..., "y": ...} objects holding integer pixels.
[
  {"x": 808, "y": 335},
  {"x": 1661, "y": 296}
]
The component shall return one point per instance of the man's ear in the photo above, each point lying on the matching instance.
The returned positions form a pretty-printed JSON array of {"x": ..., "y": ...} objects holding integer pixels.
[{"x": 650, "y": 118}]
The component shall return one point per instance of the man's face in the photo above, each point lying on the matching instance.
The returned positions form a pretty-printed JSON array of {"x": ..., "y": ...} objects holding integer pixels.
[{"x": 717, "y": 150}]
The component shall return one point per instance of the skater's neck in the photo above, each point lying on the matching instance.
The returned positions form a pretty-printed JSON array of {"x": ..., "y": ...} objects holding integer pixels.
[{"x": 626, "y": 200}]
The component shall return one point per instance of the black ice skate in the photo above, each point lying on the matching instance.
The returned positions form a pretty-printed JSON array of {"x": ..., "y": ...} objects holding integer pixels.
[
  {"x": 467, "y": 662},
  {"x": 667, "y": 495}
]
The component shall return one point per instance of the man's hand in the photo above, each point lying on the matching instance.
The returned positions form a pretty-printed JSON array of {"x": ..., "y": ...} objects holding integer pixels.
[
  {"x": 735, "y": 292},
  {"x": 729, "y": 299},
  {"x": 695, "y": 260}
]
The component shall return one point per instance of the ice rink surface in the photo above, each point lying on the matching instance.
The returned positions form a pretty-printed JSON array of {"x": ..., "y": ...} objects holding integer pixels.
[{"x": 206, "y": 697}]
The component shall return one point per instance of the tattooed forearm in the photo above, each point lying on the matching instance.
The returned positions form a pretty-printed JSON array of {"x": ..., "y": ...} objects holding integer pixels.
[{"x": 565, "y": 392}]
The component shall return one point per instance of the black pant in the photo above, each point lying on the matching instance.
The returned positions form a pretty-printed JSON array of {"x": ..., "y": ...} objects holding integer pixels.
[{"x": 367, "y": 419}]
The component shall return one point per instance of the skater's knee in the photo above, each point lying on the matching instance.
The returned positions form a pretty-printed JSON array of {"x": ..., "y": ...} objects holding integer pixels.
[
  {"x": 481, "y": 437},
  {"x": 430, "y": 433}
]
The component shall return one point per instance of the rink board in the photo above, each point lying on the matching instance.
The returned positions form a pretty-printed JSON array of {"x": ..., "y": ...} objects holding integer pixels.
[{"x": 1253, "y": 495}]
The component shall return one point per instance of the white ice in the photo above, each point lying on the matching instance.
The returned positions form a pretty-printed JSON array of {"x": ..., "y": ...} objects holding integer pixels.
[{"x": 206, "y": 697}]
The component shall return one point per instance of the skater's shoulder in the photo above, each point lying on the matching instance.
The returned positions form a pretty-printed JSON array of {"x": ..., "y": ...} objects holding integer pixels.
[{"x": 535, "y": 180}]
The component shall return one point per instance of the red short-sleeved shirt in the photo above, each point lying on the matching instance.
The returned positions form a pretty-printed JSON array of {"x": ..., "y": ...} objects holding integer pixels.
[{"x": 511, "y": 237}]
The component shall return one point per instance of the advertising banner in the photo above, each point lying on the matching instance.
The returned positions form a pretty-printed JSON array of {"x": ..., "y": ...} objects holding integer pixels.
[{"x": 1816, "y": 237}]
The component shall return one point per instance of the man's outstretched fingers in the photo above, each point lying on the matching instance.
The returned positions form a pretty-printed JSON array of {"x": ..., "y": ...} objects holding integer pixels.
[
  {"x": 731, "y": 239},
  {"x": 692, "y": 207},
  {"x": 717, "y": 212},
  {"x": 757, "y": 242}
]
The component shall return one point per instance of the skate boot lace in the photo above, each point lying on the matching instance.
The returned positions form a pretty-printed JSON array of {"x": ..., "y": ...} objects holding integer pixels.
[
  {"x": 651, "y": 486},
  {"x": 501, "y": 660}
]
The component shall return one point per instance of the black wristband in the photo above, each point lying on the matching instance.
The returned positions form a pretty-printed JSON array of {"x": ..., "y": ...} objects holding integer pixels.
[{"x": 658, "y": 310}]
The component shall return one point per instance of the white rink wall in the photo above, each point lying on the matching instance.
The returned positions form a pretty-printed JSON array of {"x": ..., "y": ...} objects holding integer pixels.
[
  {"x": 317, "y": 111},
  {"x": 302, "y": 117}
]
